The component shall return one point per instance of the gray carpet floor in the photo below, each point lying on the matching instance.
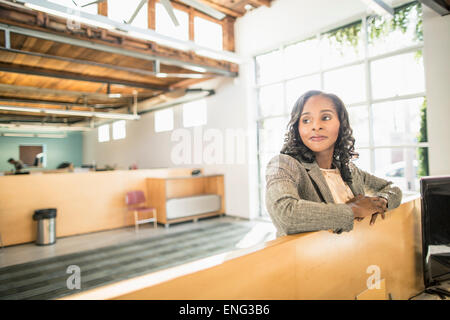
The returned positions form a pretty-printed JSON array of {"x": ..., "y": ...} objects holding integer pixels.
[{"x": 46, "y": 278}]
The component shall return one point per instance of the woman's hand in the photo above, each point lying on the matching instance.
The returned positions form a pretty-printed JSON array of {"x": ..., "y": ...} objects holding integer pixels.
[
  {"x": 375, "y": 215},
  {"x": 363, "y": 206}
]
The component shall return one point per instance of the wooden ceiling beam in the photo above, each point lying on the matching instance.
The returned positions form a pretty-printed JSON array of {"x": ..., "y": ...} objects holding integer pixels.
[
  {"x": 13, "y": 118},
  {"x": 260, "y": 2},
  {"x": 56, "y": 102},
  {"x": 13, "y": 68},
  {"x": 10, "y": 88},
  {"x": 222, "y": 9}
]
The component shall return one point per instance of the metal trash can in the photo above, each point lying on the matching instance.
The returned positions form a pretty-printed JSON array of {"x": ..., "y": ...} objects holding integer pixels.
[{"x": 46, "y": 227}]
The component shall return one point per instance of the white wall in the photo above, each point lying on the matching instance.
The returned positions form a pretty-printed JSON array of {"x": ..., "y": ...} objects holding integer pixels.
[
  {"x": 291, "y": 20},
  {"x": 436, "y": 56}
]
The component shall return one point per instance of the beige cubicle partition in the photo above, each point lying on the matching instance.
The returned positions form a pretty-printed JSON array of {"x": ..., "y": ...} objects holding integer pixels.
[
  {"x": 85, "y": 201},
  {"x": 317, "y": 265}
]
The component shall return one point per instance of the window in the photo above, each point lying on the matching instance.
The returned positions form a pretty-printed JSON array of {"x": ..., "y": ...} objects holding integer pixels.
[
  {"x": 194, "y": 113},
  {"x": 208, "y": 33},
  {"x": 269, "y": 67},
  {"x": 301, "y": 58},
  {"x": 119, "y": 131},
  {"x": 375, "y": 66},
  {"x": 271, "y": 100},
  {"x": 164, "y": 120},
  {"x": 122, "y": 11},
  {"x": 397, "y": 75},
  {"x": 103, "y": 133},
  {"x": 165, "y": 25}
]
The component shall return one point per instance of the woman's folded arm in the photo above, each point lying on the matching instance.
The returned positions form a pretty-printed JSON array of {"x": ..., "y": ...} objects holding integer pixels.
[
  {"x": 381, "y": 188},
  {"x": 291, "y": 214}
]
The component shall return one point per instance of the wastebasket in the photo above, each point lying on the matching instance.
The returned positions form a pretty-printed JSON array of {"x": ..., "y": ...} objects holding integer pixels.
[{"x": 46, "y": 228}]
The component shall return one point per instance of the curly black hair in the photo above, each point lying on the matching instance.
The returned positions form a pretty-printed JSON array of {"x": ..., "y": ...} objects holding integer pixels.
[{"x": 344, "y": 149}]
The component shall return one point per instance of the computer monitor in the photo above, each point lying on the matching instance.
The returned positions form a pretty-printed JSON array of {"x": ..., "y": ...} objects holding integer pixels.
[{"x": 435, "y": 193}]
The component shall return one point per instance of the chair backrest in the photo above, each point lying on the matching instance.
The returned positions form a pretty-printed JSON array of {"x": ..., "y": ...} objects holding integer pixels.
[{"x": 135, "y": 197}]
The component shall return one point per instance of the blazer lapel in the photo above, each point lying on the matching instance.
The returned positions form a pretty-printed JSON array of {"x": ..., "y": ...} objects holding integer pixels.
[
  {"x": 317, "y": 176},
  {"x": 357, "y": 188}
]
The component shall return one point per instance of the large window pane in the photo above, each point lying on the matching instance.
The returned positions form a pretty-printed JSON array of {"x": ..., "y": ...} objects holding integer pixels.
[
  {"x": 403, "y": 30},
  {"x": 295, "y": 88},
  {"x": 269, "y": 67},
  {"x": 397, "y": 75},
  {"x": 271, "y": 100},
  {"x": 347, "y": 83},
  {"x": 164, "y": 23},
  {"x": 194, "y": 113},
  {"x": 363, "y": 162},
  {"x": 164, "y": 120},
  {"x": 271, "y": 134},
  {"x": 119, "y": 129},
  {"x": 302, "y": 58},
  {"x": 208, "y": 34},
  {"x": 122, "y": 11},
  {"x": 341, "y": 46},
  {"x": 398, "y": 165},
  {"x": 359, "y": 121},
  {"x": 397, "y": 122},
  {"x": 103, "y": 133}
]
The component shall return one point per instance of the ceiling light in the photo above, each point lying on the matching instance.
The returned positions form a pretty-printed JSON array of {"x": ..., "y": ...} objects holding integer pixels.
[
  {"x": 40, "y": 127},
  {"x": 51, "y": 135},
  {"x": 106, "y": 115},
  {"x": 27, "y": 135},
  {"x": 248, "y": 7},
  {"x": 114, "y": 95}
]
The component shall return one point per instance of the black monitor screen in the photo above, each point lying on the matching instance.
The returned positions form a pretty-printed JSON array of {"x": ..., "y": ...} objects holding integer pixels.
[{"x": 435, "y": 193}]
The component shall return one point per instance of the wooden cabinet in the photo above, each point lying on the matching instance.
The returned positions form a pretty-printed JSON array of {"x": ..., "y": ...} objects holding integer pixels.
[{"x": 160, "y": 190}]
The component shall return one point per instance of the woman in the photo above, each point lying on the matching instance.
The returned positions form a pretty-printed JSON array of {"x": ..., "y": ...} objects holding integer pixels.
[{"x": 311, "y": 184}]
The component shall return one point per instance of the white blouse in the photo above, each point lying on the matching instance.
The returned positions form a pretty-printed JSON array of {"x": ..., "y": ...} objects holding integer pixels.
[{"x": 339, "y": 189}]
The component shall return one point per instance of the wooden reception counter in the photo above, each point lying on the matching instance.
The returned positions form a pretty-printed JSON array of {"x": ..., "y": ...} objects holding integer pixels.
[
  {"x": 86, "y": 202},
  {"x": 316, "y": 265}
]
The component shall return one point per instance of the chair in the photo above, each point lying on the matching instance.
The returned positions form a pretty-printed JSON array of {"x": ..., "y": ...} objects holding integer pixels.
[{"x": 137, "y": 203}]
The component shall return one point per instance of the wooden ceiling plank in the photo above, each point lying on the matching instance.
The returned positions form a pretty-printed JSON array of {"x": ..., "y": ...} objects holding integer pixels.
[
  {"x": 260, "y": 2},
  {"x": 239, "y": 4},
  {"x": 223, "y": 9},
  {"x": 186, "y": 83}
]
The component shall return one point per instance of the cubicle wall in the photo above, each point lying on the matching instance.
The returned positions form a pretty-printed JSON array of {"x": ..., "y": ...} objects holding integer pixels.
[{"x": 317, "y": 265}]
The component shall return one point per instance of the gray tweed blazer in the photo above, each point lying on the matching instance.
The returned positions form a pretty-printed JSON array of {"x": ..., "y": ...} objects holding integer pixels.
[{"x": 298, "y": 198}]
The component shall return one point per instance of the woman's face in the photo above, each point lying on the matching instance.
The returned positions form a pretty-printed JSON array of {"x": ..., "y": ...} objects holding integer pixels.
[{"x": 319, "y": 124}]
